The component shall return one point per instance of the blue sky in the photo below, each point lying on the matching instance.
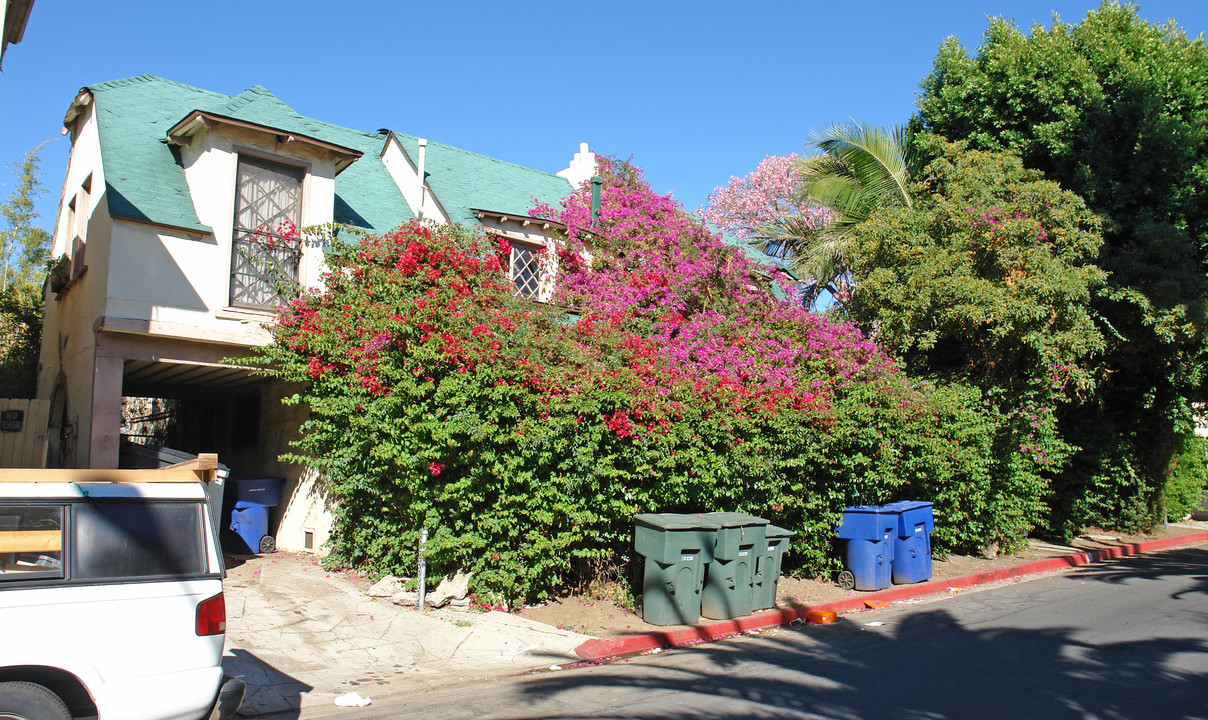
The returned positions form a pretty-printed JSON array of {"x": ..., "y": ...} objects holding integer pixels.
[{"x": 694, "y": 91}]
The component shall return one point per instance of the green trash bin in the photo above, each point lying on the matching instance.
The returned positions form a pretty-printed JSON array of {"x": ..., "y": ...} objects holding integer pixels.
[
  {"x": 768, "y": 566},
  {"x": 732, "y": 576},
  {"x": 677, "y": 548}
]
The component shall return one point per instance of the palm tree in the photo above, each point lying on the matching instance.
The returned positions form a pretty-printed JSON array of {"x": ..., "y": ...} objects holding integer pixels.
[{"x": 860, "y": 168}]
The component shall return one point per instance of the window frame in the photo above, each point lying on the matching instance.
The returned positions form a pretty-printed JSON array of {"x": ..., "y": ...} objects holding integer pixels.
[
  {"x": 28, "y": 577},
  {"x": 294, "y": 166},
  {"x": 540, "y": 262}
]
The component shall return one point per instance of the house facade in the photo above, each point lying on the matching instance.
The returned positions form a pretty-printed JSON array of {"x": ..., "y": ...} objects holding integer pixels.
[{"x": 177, "y": 237}]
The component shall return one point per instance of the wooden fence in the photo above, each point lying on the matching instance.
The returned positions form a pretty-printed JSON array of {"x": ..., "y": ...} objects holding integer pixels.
[{"x": 23, "y": 432}]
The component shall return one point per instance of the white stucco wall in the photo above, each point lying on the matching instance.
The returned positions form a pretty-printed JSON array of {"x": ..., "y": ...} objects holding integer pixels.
[
  {"x": 211, "y": 163},
  {"x": 406, "y": 177},
  {"x": 68, "y": 341}
]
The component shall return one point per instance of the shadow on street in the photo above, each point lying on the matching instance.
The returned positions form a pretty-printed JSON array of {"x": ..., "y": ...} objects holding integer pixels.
[
  {"x": 1190, "y": 564},
  {"x": 928, "y": 665},
  {"x": 269, "y": 691}
]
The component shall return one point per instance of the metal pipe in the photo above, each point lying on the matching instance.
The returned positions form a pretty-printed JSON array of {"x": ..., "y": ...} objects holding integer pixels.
[
  {"x": 596, "y": 182},
  {"x": 419, "y": 170},
  {"x": 422, "y": 578}
]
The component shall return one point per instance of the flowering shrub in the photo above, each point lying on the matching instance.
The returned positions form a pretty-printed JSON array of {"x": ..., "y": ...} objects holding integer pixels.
[
  {"x": 525, "y": 441},
  {"x": 770, "y": 192}
]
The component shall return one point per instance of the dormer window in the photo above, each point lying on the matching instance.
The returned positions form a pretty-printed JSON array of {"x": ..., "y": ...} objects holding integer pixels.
[{"x": 266, "y": 250}]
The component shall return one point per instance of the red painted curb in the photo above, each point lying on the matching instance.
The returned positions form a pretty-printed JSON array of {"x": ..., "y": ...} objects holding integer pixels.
[{"x": 598, "y": 648}]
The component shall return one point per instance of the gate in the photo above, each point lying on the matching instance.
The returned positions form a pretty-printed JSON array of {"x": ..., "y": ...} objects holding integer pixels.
[{"x": 23, "y": 432}]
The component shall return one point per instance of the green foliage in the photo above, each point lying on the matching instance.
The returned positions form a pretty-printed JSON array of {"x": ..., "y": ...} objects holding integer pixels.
[
  {"x": 24, "y": 253},
  {"x": 24, "y": 249},
  {"x": 1113, "y": 108},
  {"x": 859, "y": 169},
  {"x": 525, "y": 445},
  {"x": 988, "y": 281},
  {"x": 1116, "y": 110},
  {"x": 1185, "y": 483},
  {"x": 20, "y": 340},
  {"x": 989, "y": 278}
]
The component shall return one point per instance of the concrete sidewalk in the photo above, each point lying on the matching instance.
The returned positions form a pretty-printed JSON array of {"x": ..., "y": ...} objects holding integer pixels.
[{"x": 300, "y": 637}]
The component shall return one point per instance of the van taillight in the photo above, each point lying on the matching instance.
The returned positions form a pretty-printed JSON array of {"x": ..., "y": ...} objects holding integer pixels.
[{"x": 211, "y": 616}]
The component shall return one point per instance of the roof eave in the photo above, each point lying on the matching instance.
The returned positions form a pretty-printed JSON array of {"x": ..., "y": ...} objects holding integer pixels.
[
  {"x": 182, "y": 132},
  {"x": 15, "y": 20}
]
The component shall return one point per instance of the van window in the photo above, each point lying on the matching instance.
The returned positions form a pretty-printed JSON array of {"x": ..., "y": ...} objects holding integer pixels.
[
  {"x": 31, "y": 542},
  {"x": 114, "y": 539}
]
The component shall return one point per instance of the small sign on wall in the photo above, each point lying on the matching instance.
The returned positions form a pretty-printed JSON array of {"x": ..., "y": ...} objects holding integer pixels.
[{"x": 12, "y": 420}]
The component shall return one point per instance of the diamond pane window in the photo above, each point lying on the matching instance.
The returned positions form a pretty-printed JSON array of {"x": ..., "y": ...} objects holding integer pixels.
[
  {"x": 266, "y": 250},
  {"x": 526, "y": 270}
]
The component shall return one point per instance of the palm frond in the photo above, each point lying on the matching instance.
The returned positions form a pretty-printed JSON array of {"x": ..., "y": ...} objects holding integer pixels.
[
  {"x": 877, "y": 159},
  {"x": 861, "y": 168}
]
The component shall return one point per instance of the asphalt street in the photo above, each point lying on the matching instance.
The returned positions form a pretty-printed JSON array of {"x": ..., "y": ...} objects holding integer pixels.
[{"x": 1128, "y": 639}]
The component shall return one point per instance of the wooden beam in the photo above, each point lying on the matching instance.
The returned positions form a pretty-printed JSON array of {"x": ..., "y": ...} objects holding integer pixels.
[
  {"x": 205, "y": 466},
  {"x": 30, "y": 475},
  {"x": 30, "y": 541}
]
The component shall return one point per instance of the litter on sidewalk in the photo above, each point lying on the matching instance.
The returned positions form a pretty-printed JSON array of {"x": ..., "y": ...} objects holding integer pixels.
[{"x": 352, "y": 699}]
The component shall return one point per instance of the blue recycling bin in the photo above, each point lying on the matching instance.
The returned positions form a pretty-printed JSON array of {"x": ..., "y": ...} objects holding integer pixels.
[
  {"x": 912, "y": 540},
  {"x": 249, "y": 521},
  {"x": 869, "y": 532},
  {"x": 249, "y": 515}
]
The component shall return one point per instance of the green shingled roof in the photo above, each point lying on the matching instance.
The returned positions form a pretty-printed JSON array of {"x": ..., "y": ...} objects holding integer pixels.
[
  {"x": 462, "y": 180},
  {"x": 145, "y": 182}
]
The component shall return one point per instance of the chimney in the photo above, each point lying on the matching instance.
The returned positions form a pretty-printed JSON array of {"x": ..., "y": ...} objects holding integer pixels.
[{"x": 581, "y": 168}]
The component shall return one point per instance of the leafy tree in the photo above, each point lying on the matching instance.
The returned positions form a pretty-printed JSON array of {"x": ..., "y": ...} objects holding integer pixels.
[
  {"x": 988, "y": 279},
  {"x": 24, "y": 250},
  {"x": 772, "y": 192},
  {"x": 1116, "y": 110}
]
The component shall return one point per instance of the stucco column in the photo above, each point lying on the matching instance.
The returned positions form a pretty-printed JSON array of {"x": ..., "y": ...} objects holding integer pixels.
[{"x": 106, "y": 412}]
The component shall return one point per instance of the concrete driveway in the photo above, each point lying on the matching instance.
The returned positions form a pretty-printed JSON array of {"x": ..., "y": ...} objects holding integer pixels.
[{"x": 300, "y": 637}]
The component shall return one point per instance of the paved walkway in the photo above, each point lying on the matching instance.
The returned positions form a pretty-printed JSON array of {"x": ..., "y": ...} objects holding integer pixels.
[{"x": 300, "y": 637}]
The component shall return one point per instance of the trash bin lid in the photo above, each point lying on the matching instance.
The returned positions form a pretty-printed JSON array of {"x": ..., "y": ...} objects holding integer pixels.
[
  {"x": 863, "y": 509},
  {"x": 245, "y": 504},
  {"x": 772, "y": 532},
  {"x": 668, "y": 521},
  {"x": 904, "y": 505},
  {"x": 731, "y": 519}
]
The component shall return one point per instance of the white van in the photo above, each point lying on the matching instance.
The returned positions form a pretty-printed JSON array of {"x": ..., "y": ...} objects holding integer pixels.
[{"x": 111, "y": 600}]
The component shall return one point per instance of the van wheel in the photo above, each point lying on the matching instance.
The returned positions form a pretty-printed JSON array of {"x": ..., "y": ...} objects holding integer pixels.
[
  {"x": 27, "y": 701},
  {"x": 268, "y": 545}
]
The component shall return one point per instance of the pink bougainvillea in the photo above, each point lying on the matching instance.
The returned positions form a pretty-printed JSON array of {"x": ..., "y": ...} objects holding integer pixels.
[{"x": 701, "y": 308}]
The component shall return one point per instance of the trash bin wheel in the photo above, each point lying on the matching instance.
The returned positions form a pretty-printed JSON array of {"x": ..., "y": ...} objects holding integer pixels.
[
  {"x": 268, "y": 545},
  {"x": 847, "y": 581}
]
